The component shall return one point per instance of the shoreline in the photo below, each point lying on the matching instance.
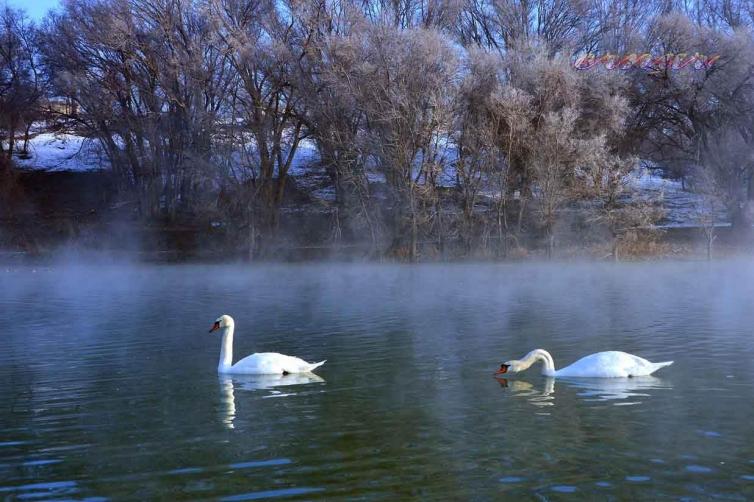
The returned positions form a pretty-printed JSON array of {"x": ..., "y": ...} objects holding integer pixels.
[
  {"x": 79, "y": 214},
  {"x": 684, "y": 244}
]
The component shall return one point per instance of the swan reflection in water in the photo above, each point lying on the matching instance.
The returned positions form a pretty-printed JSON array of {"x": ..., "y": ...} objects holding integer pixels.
[
  {"x": 588, "y": 389},
  {"x": 229, "y": 384},
  {"x": 527, "y": 390},
  {"x": 622, "y": 389}
]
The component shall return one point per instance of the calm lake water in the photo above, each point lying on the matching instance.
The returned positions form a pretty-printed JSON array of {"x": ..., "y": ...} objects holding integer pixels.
[{"x": 108, "y": 384}]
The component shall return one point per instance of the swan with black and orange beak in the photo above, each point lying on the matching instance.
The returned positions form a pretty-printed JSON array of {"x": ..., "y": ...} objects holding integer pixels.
[
  {"x": 265, "y": 363},
  {"x": 503, "y": 369},
  {"x": 609, "y": 364}
]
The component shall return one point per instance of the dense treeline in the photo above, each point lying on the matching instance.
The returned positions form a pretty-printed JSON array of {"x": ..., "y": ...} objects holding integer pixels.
[{"x": 484, "y": 123}]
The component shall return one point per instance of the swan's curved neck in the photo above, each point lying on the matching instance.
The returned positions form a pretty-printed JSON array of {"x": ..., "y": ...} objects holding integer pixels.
[
  {"x": 548, "y": 364},
  {"x": 226, "y": 349}
]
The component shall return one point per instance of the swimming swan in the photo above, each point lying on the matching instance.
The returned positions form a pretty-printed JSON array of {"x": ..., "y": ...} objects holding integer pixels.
[
  {"x": 265, "y": 363},
  {"x": 611, "y": 364}
]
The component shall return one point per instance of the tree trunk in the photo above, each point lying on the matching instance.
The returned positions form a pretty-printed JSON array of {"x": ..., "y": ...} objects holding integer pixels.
[
  {"x": 740, "y": 219},
  {"x": 414, "y": 232},
  {"x": 252, "y": 245},
  {"x": 521, "y": 213},
  {"x": 337, "y": 232},
  {"x": 26, "y": 138},
  {"x": 502, "y": 229},
  {"x": 711, "y": 237},
  {"x": 11, "y": 139},
  {"x": 441, "y": 231}
]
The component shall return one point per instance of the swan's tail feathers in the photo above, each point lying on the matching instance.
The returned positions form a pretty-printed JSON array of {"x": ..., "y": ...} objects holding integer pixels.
[
  {"x": 661, "y": 365},
  {"x": 316, "y": 365}
]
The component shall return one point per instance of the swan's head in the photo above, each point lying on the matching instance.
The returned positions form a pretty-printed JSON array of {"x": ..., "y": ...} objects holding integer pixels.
[
  {"x": 222, "y": 322},
  {"x": 513, "y": 366},
  {"x": 519, "y": 365}
]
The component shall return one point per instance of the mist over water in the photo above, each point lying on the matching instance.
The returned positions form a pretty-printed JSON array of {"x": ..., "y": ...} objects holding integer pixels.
[{"x": 109, "y": 386}]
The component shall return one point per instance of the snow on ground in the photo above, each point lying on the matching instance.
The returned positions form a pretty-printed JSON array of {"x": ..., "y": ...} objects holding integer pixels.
[
  {"x": 682, "y": 207},
  {"x": 306, "y": 156},
  {"x": 62, "y": 152}
]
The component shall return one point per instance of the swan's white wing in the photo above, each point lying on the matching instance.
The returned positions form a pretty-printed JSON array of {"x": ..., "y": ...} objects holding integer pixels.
[
  {"x": 271, "y": 363},
  {"x": 610, "y": 364}
]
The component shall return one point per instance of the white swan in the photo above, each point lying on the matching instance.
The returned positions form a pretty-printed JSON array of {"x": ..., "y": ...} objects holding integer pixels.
[
  {"x": 265, "y": 363},
  {"x": 611, "y": 364}
]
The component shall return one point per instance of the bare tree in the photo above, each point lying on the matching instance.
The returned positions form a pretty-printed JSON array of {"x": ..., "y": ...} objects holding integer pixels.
[
  {"x": 492, "y": 121},
  {"x": 554, "y": 163},
  {"x": 700, "y": 118},
  {"x": 264, "y": 45},
  {"x": 22, "y": 79},
  {"x": 504, "y": 24},
  {"x": 335, "y": 119},
  {"x": 708, "y": 207},
  {"x": 151, "y": 83},
  {"x": 722, "y": 175},
  {"x": 404, "y": 87}
]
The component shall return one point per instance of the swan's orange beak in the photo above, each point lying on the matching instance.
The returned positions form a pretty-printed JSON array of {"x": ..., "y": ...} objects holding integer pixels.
[
  {"x": 503, "y": 369},
  {"x": 214, "y": 327}
]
